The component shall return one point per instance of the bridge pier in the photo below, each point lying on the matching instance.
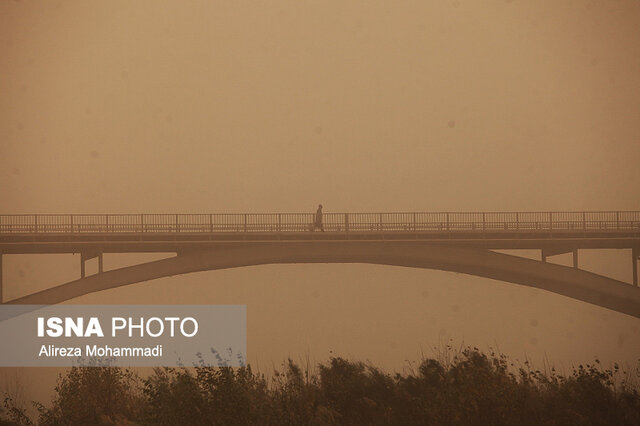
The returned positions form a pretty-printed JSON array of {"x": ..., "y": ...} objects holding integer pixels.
[
  {"x": 553, "y": 251},
  {"x": 88, "y": 256},
  {"x": 635, "y": 253}
]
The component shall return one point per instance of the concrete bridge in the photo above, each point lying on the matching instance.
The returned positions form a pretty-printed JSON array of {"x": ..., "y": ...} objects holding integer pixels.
[{"x": 451, "y": 241}]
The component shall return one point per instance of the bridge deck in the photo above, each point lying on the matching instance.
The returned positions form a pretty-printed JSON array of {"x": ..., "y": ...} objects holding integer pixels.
[
  {"x": 336, "y": 222},
  {"x": 173, "y": 232}
]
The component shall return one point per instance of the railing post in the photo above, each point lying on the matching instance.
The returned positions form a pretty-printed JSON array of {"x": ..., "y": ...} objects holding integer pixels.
[
  {"x": 584, "y": 221},
  {"x": 210, "y": 222},
  {"x": 517, "y": 221},
  {"x": 346, "y": 222},
  {"x": 483, "y": 222},
  {"x": 447, "y": 214},
  {"x": 550, "y": 222},
  {"x": 71, "y": 221},
  {"x": 177, "y": 224},
  {"x": 617, "y": 220},
  {"x": 245, "y": 222},
  {"x": 106, "y": 222},
  {"x": 279, "y": 222},
  {"x": 35, "y": 221},
  {"x": 141, "y": 222}
]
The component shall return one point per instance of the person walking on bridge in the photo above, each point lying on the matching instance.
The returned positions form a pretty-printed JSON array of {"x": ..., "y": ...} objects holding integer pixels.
[{"x": 318, "y": 221}]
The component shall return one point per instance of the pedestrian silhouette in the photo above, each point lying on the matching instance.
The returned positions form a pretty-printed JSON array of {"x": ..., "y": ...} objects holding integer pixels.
[{"x": 318, "y": 222}]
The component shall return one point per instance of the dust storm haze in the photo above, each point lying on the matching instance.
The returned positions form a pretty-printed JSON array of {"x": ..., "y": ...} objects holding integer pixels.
[{"x": 217, "y": 106}]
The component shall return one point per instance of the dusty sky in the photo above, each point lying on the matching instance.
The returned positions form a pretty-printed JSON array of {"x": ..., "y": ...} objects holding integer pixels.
[{"x": 219, "y": 106}]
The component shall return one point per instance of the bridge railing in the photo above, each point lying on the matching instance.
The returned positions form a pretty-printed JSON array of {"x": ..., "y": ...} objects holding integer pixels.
[{"x": 335, "y": 222}]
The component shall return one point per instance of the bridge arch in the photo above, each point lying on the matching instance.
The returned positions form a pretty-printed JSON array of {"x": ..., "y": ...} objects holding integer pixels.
[{"x": 567, "y": 281}]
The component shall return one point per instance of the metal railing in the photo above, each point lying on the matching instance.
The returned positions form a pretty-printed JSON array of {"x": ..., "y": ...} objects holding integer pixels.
[{"x": 333, "y": 222}]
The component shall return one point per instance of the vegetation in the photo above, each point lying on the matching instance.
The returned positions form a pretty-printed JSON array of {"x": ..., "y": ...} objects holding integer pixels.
[{"x": 468, "y": 388}]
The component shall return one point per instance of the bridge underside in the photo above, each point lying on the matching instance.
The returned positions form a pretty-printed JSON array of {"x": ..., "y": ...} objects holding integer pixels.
[{"x": 567, "y": 281}]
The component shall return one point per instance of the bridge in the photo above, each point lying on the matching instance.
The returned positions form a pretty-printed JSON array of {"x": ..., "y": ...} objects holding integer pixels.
[{"x": 451, "y": 241}]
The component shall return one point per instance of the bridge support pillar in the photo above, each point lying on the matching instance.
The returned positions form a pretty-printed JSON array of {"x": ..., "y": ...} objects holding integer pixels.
[
  {"x": 88, "y": 256},
  {"x": 635, "y": 253},
  {"x": 554, "y": 251}
]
